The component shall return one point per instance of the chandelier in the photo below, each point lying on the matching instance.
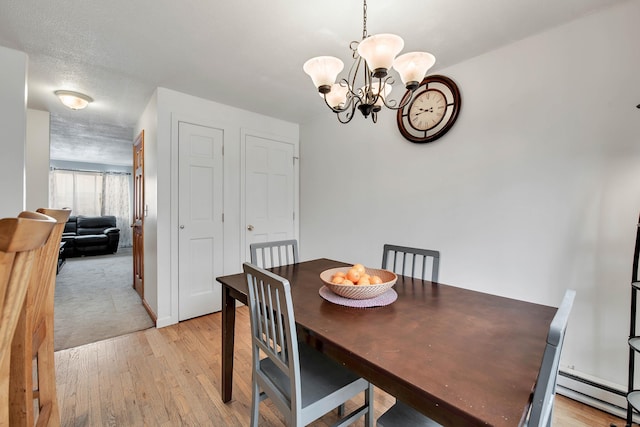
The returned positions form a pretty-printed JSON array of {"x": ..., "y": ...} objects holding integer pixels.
[{"x": 368, "y": 83}]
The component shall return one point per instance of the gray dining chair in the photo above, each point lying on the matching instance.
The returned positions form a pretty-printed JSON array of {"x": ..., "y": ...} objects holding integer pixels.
[
  {"x": 412, "y": 262},
  {"x": 541, "y": 409},
  {"x": 303, "y": 383},
  {"x": 274, "y": 254}
]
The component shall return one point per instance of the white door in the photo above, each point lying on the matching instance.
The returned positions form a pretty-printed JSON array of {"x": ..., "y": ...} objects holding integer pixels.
[
  {"x": 200, "y": 219},
  {"x": 269, "y": 190}
]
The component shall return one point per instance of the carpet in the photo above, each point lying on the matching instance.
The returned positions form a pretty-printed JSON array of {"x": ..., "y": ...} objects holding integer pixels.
[{"x": 95, "y": 300}]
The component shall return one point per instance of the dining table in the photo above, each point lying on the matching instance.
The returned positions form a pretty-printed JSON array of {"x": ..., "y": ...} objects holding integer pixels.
[{"x": 460, "y": 356}]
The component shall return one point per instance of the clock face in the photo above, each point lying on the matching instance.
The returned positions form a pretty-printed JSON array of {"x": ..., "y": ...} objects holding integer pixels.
[
  {"x": 427, "y": 110},
  {"x": 432, "y": 112}
]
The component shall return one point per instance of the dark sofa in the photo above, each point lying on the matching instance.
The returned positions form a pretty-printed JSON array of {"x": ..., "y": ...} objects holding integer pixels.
[{"x": 90, "y": 235}]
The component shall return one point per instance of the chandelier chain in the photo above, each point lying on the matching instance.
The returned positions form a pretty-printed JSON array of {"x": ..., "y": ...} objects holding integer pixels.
[{"x": 364, "y": 20}]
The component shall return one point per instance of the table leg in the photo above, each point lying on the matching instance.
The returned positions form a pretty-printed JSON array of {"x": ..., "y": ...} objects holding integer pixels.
[{"x": 228, "y": 327}]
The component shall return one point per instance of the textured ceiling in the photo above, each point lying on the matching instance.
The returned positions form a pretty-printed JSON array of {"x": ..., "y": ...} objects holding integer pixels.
[
  {"x": 97, "y": 142},
  {"x": 244, "y": 53}
]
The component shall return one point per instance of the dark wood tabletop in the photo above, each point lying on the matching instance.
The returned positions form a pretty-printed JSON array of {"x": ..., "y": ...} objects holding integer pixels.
[{"x": 462, "y": 357}]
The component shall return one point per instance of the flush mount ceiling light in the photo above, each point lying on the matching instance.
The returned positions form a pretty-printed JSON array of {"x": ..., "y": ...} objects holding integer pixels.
[
  {"x": 368, "y": 92},
  {"x": 73, "y": 100}
]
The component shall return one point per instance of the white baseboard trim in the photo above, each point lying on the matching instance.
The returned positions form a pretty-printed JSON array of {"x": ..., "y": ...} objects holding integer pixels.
[
  {"x": 595, "y": 392},
  {"x": 165, "y": 321}
]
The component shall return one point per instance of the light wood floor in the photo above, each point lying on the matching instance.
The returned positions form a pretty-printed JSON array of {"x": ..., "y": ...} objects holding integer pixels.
[{"x": 171, "y": 377}]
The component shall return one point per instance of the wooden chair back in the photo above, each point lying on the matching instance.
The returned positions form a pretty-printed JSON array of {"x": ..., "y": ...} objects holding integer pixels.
[
  {"x": 413, "y": 262},
  {"x": 20, "y": 238},
  {"x": 274, "y": 254},
  {"x": 33, "y": 341},
  {"x": 545, "y": 391}
]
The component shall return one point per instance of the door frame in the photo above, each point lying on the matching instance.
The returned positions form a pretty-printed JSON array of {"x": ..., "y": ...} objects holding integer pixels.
[{"x": 244, "y": 250}]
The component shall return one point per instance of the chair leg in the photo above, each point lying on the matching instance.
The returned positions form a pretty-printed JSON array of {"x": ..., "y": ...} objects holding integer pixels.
[
  {"x": 368, "y": 399},
  {"x": 31, "y": 343},
  {"x": 255, "y": 403},
  {"x": 20, "y": 379},
  {"x": 47, "y": 377},
  {"x": 4, "y": 388}
]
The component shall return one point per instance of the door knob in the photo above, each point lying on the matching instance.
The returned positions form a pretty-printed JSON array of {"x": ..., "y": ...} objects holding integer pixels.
[
  {"x": 250, "y": 227},
  {"x": 181, "y": 227}
]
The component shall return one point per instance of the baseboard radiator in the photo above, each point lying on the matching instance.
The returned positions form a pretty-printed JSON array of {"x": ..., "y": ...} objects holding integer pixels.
[{"x": 594, "y": 392}]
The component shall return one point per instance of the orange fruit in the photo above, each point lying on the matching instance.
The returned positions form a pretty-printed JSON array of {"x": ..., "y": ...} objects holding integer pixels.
[
  {"x": 364, "y": 281},
  {"x": 359, "y": 267},
  {"x": 353, "y": 275},
  {"x": 337, "y": 279},
  {"x": 347, "y": 282},
  {"x": 375, "y": 280},
  {"x": 340, "y": 273}
]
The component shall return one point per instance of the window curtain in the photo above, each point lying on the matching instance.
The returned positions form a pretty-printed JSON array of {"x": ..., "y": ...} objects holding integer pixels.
[
  {"x": 117, "y": 201},
  {"x": 94, "y": 194}
]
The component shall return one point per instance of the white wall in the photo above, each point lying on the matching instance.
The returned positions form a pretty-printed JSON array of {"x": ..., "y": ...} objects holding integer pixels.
[
  {"x": 535, "y": 189},
  {"x": 161, "y": 179},
  {"x": 37, "y": 160},
  {"x": 13, "y": 122}
]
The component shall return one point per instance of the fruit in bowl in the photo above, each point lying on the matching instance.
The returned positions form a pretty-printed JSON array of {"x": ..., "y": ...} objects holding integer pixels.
[{"x": 358, "y": 282}]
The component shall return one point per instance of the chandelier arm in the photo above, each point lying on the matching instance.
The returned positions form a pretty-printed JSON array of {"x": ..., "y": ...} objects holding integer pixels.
[
  {"x": 367, "y": 88},
  {"x": 371, "y": 97},
  {"x": 355, "y": 67},
  {"x": 344, "y": 122},
  {"x": 353, "y": 46},
  {"x": 348, "y": 116},
  {"x": 351, "y": 101},
  {"x": 393, "y": 105},
  {"x": 349, "y": 104}
]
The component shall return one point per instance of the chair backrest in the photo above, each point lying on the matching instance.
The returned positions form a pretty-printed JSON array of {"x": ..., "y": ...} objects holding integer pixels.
[
  {"x": 33, "y": 345},
  {"x": 412, "y": 262},
  {"x": 273, "y": 328},
  {"x": 19, "y": 240},
  {"x": 545, "y": 390},
  {"x": 274, "y": 254},
  {"x": 42, "y": 283}
]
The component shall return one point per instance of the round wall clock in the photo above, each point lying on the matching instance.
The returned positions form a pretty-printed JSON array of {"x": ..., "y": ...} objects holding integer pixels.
[{"x": 433, "y": 110}]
